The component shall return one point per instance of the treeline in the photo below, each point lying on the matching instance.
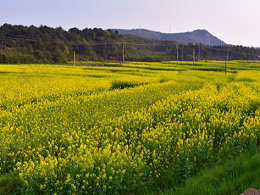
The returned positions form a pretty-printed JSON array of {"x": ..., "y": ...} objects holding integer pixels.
[{"x": 22, "y": 44}]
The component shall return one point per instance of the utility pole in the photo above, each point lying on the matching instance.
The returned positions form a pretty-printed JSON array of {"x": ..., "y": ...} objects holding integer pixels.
[
  {"x": 74, "y": 58},
  {"x": 199, "y": 54},
  {"x": 209, "y": 38},
  {"x": 193, "y": 59},
  {"x": 227, "y": 55},
  {"x": 225, "y": 67},
  {"x": 177, "y": 55},
  {"x": 2, "y": 46},
  {"x": 123, "y": 54},
  {"x": 182, "y": 54}
]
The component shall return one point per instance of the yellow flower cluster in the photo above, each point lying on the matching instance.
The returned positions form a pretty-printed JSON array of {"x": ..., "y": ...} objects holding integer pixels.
[{"x": 87, "y": 138}]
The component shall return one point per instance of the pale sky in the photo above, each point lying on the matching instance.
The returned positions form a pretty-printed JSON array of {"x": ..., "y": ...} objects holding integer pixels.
[{"x": 233, "y": 21}]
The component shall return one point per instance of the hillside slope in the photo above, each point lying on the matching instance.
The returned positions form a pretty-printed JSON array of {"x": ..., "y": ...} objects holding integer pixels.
[{"x": 196, "y": 36}]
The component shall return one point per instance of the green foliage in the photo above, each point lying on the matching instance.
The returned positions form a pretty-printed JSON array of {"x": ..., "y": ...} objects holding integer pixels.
[
  {"x": 9, "y": 183},
  {"x": 47, "y": 45},
  {"x": 121, "y": 84},
  {"x": 230, "y": 177}
]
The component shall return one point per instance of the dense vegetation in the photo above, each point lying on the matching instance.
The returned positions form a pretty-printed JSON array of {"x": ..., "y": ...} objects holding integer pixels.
[
  {"x": 22, "y": 44},
  {"x": 133, "y": 130}
]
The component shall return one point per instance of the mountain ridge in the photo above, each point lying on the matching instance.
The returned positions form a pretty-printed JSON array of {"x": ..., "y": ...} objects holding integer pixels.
[{"x": 196, "y": 36}]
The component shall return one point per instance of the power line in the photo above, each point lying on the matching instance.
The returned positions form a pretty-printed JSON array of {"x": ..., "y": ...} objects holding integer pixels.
[{"x": 158, "y": 44}]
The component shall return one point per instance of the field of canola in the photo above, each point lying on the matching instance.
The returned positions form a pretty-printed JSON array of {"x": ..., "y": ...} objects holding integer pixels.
[{"x": 114, "y": 130}]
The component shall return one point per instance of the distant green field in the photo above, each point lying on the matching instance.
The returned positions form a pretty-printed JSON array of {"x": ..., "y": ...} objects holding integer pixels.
[{"x": 100, "y": 128}]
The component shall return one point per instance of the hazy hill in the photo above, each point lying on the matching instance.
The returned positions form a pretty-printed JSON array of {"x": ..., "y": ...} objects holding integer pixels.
[
  {"x": 23, "y": 44},
  {"x": 196, "y": 36}
]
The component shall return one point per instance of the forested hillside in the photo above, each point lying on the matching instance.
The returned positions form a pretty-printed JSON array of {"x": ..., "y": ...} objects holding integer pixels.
[
  {"x": 196, "y": 36},
  {"x": 22, "y": 44}
]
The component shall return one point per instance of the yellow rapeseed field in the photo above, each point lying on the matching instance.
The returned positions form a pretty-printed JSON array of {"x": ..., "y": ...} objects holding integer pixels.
[{"x": 114, "y": 130}]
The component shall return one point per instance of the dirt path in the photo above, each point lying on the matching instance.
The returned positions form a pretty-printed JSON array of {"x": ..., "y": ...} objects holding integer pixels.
[{"x": 251, "y": 191}]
